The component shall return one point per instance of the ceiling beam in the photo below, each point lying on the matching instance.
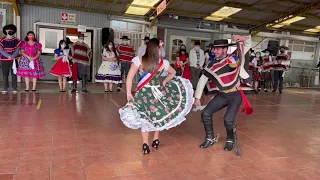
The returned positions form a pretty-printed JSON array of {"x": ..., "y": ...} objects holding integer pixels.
[
  {"x": 16, "y": 7},
  {"x": 108, "y": 2},
  {"x": 246, "y": 21},
  {"x": 62, "y": 6},
  {"x": 291, "y": 30},
  {"x": 294, "y": 2},
  {"x": 156, "y": 17},
  {"x": 283, "y": 18},
  {"x": 245, "y": 6}
]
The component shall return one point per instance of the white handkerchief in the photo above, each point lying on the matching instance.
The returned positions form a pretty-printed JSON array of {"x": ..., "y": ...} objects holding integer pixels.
[
  {"x": 14, "y": 67},
  {"x": 31, "y": 64},
  {"x": 198, "y": 108},
  {"x": 283, "y": 74}
]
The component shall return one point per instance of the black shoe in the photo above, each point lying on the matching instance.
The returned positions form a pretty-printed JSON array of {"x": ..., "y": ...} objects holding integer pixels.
[
  {"x": 209, "y": 142},
  {"x": 256, "y": 92},
  {"x": 229, "y": 146},
  {"x": 119, "y": 89},
  {"x": 27, "y": 90},
  {"x": 280, "y": 91},
  {"x": 145, "y": 149},
  {"x": 274, "y": 90},
  {"x": 230, "y": 140},
  {"x": 156, "y": 143},
  {"x": 266, "y": 90},
  {"x": 208, "y": 127},
  {"x": 34, "y": 90},
  {"x": 106, "y": 91},
  {"x": 73, "y": 90},
  {"x": 85, "y": 91},
  {"x": 61, "y": 90}
]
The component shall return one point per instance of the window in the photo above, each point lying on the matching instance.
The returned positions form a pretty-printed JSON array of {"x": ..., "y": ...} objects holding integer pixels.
[
  {"x": 297, "y": 48},
  {"x": 126, "y": 26},
  {"x": 302, "y": 50},
  {"x": 302, "y": 46}
]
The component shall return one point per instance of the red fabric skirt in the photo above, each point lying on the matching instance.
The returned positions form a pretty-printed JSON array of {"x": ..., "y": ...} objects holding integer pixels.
[
  {"x": 61, "y": 69},
  {"x": 187, "y": 72},
  {"x": 74, "y": 68}
]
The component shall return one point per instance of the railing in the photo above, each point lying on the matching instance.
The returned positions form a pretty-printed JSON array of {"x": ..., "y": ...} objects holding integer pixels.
[{"x": 301, "y": 77}]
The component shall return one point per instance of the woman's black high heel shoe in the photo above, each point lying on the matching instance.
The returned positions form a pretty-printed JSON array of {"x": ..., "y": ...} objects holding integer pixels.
[
  {"x": 156, "y": 143},
  {"x": 145, "y": 149}
]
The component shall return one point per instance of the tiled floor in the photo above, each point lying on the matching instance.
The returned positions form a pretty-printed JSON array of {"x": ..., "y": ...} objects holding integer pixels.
[{"x": 79, "y": 136}]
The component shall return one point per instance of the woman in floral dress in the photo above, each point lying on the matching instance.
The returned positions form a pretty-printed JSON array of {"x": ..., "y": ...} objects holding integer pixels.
[
  {"x": 30, "y": 64},
  {"x": 109, "y": 72},
  {"x": 159, "y": 103}
]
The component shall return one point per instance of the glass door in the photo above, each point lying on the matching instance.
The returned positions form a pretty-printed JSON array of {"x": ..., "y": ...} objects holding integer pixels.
[{"x": 175, "y": 42}]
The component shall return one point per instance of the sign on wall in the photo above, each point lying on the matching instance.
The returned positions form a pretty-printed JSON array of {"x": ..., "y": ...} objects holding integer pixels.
[
  {"x": 68, "y": 18},
  {"x": 161, "y": 7}
]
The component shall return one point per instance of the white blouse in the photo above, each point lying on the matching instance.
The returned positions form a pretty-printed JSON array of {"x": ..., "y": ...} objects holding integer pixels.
[{"x": 137, "y": 62}]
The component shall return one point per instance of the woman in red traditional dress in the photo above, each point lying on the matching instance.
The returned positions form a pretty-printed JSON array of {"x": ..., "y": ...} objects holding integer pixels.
[
  {"x": 182, "y": 59},
  {"x": 62, "y": 67}
]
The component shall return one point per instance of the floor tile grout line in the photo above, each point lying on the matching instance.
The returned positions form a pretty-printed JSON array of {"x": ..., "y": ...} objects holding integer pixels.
[
  {"x": 16, "y": 169},
  {"x": 50, "y": 171},
  {"x": 79, "y": 148},
  {"x": 288, "y": 107}
]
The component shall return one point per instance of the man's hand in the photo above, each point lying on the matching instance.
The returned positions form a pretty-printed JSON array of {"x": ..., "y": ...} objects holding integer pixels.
[
  {"x": 239, "y": 38},
  {"x": 197, "y": 102}
]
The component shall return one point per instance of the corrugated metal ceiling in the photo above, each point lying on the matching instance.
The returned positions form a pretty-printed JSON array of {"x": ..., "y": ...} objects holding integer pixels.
[{"x": 253, "y": 11}]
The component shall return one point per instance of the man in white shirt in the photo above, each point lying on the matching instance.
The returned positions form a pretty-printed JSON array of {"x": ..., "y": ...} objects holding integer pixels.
[
  {"x": 197, "y": 59},
  {"x": 143, "y": 47}
]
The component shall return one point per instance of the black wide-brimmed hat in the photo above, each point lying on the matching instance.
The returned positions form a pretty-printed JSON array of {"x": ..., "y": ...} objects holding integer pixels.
[
  {"x": 284, "y": 47},
  {"x": 146, "y": 38},
  {"x": 11, "y": 27},
  {"x": 221, "y": 43},
  {"x": 266, "y": 50},
  {"x": 125, "y": 37},
  {"x": 81, "y": 35}
]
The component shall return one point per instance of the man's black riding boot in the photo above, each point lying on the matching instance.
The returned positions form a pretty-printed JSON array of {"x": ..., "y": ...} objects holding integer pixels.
[
  {"x": 210, "y": 139},
  {"x": 230, "y": 140}
]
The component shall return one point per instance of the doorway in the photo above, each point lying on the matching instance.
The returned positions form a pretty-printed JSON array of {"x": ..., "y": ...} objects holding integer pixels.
[{"x": 175, "y": 43}]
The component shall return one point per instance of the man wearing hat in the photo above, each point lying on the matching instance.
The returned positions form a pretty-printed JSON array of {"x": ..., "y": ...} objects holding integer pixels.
[
  {"x": 143, "y": 47},
  {"x": 267, "y": 67},
  {"x": 81, "y": 58},
  {"x": 226, "y": 77},
  {"x": 9, "y": 50},
  {"x": 126, "y": 54},
  {"x": 281, "y": 64}
]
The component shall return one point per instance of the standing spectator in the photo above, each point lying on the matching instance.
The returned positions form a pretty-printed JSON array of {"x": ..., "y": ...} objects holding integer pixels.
[
  {"x": 62, "y": 68},
  {"x": 81, "y": 57},
  {"x": 109, "y": 71},
  {"x": 9, "y": 50},
  {"x": 281, "y": 64},
  {"x": 197, "y": 59},
  {"x": 126, "y": 54},
  {"x": 143, "y": 47},
  {"x": 30, "y": 65}
]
